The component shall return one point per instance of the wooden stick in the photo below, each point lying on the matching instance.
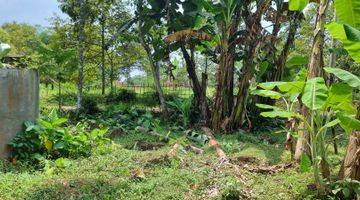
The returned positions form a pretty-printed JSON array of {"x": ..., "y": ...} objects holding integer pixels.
[
  {"x": 173, "y": 151},
  {"x": 215, "y": 145},
  {"x": 194, "y": 149}
]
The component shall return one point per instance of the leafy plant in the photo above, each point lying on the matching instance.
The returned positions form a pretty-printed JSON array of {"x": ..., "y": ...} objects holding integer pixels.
[
  {"x": 328, "y": 106},
  {"x": 342, "y": 189},
  {"x": 184, "y": 107},
  {"x": 49, "y": 138}
]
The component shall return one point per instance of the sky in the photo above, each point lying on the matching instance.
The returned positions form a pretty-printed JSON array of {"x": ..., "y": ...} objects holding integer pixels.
[{"x": 35, "y": 12}]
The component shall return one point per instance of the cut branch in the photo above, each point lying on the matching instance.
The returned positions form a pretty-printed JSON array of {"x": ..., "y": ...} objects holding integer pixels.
[{"x": 215, "y": 145}]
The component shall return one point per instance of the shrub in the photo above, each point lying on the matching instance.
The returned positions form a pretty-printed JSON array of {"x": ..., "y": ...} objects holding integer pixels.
[
  {"x": 122, "y": 95},
  {"x": 49, "y": 138},
  {"x": 89, "y": 105}
]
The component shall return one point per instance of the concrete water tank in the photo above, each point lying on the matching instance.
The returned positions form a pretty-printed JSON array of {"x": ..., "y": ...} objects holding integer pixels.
[{"x": 19, "y": 102}]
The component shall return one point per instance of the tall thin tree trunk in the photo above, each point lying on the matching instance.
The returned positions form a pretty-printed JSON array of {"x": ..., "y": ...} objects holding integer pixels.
[
  {"x": 199, "y": 90},
  {"x": 315, "y": 69},
  {"x": 103, "y": 49},
  {"x": 111, "y": 76},
  {"x": 154, "y": 66},
  {"x": 205, "y": 111},
  {"x": 190, "y": 67},
  {"x": 59, "y": 93},
  {"x": 80, "y": 64}
]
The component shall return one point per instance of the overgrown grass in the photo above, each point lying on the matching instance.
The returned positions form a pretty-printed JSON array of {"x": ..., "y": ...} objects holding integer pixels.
[
  {"x": 126, "y": 170},
  {"x": 111, "y": 174}
]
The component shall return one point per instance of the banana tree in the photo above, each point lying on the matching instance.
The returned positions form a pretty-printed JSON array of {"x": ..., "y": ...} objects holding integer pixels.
[
  {"x": 347, "y": 29},
  {"x": 328, "y": 106}
]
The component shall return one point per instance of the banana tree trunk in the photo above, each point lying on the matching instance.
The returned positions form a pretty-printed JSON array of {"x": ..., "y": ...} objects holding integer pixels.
[
  {"x": 351, "y": 164},
  {"x": 238, "y": 115},
  {"x": 224, "y": 80},
  {"x": 315, "y": 69}
]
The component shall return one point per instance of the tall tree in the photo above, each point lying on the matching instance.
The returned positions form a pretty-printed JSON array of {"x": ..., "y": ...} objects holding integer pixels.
[
  {"x": 315, "y": 69},
  {"x": 79, "y": 11},
  {"x": 154, "y": 65}
]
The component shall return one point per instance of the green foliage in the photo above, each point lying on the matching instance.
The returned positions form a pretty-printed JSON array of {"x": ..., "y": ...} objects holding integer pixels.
[
  {"x": 347, "y": 77},
  {"x": 297, "y": 61},
  {"x": 342, "y": 189},
  {"x": 184, "y": 106},
  {"x": 352, "y": 33},
  {"x": 348, "y": 12},
  {"x": 347, "y": 27},
  {"x": 4, "y": 50},
  {"x": 121, "y": 95},
  {"x": 337, "y": 31},
  {"x": 297, "y": 5},
  {"x": 89, "y": 105},
  {"x": 315, "y": 93},
  {"x": 327, "y": 108},
  {"x": 305, "y": 163},
  {"x": 49, "y": 138}
]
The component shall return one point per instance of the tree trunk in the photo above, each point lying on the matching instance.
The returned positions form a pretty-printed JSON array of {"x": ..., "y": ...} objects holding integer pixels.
[
  {"x": 315, "y": 69},
  {"x": 205, "y": 111},
  {"x": 190, "y": 68},
  {"x": 80, "y": 64},
  {"x": 198, "y": 90},
  {"x": 281, "y": 61},
  {"x": 224, "y": 96},
  {"x": 103, "y": 49},
  {"x": 111, "y": 75},
  {"x": 154, "y": 66},
  {"x": 253, "y": 39},
  {"x": 59, "y": 93},
  {"x": 238, "y": 114},
  {"x": 351, "y": 165}
]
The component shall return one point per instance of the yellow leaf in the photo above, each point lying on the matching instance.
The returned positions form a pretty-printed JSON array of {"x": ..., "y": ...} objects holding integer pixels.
[{"x": 48, "y": 145}]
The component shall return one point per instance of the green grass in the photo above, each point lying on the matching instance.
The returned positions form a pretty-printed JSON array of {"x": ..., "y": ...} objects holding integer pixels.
[
  {"x": 108, "y": 174},
  {"x": 123, "y": 171}
]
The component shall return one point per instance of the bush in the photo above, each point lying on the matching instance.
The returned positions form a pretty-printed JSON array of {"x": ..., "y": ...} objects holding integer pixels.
[
  {"x": 152, "y": 98},
  {"x": 89, "y": 105},
  {"x": 49, "y": 138},
  {"x": 122, "y": 95}
]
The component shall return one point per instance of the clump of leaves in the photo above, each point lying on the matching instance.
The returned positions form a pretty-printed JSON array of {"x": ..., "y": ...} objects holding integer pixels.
[
  {"x": 49, "y": 138},
  {"x": 345, "y": 189}
]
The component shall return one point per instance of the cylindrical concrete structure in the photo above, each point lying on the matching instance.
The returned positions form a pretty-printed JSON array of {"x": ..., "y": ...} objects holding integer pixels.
[{"x": 19, "y": 102}]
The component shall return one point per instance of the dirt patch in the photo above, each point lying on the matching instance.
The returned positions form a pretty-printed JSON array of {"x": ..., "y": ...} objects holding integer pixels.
[
  {"x": 145, "y": 146},
  {"x": 242, "y": 160},
  {"x": 161, "y": 160},
  {"x": 269, "y": 169},
  {"x": 253, "y": 164},
  {"x": 117, "y": 132}
]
